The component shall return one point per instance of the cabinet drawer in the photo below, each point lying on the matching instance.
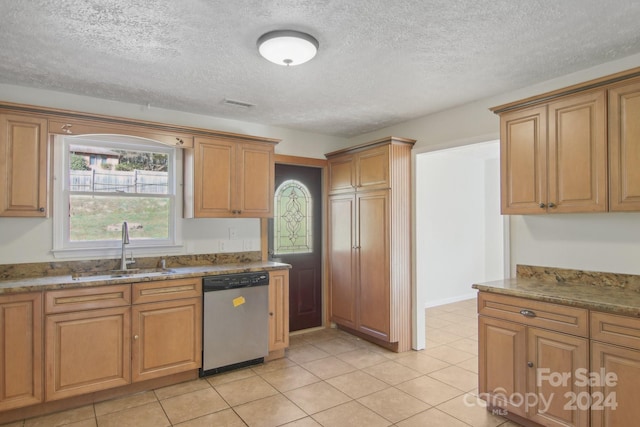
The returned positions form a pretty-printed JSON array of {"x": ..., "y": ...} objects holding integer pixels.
[
  {"x": 560, "y": 318},
  {"x": 66, "y": 300},
  {"x": 615, "y": 329},
  {"x": 166, "y": 290}
]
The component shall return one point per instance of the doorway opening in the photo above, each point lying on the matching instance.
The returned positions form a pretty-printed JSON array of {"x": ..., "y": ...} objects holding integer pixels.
[
  {"x": 295, "y": 237},
  {"x": 460, "y": 233}
]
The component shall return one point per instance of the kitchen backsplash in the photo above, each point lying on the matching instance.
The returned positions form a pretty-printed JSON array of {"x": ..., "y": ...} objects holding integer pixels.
[
  {"x": 40, "y": 269},
  {"x": 595, "y": 278}
]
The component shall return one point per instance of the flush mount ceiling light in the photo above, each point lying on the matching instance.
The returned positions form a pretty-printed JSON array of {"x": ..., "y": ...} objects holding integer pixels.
[{"x": 287, "y": 47}]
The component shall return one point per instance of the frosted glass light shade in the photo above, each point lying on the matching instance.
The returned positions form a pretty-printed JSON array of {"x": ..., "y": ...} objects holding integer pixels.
[{"x": 287, "y": 47}]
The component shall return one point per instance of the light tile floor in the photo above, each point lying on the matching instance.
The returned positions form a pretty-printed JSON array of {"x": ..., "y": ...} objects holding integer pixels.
[{"x": 328, "y": 378}]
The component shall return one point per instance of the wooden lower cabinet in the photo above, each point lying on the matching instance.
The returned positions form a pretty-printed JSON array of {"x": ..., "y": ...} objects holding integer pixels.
[
  {"x": 21, "y": 350},
  {"x": 502, "y": 365},
  {"x": 167, "y": 338},
  {"x": 558, "y": 403},
  {"x": 87, "y": 351},
  {"x": 615, "y": 401},
  {"x": 530, "y": 371},
  {"x": 96, "y": 340},
  {"x": 278, "y": 310}
]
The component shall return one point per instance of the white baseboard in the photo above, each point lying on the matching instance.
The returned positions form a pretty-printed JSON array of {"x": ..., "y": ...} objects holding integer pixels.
[{"x": 450, "y": 300}]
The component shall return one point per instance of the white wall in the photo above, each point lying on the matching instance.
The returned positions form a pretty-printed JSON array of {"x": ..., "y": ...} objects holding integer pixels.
[
  {"x": 599, "y": 242},
  {"x": 458, "y": 224},
  {"x": 31, "y": 239}
]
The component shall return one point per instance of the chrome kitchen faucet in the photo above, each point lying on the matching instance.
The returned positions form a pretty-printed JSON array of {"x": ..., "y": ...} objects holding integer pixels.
[{"x": 125, "y": 241}]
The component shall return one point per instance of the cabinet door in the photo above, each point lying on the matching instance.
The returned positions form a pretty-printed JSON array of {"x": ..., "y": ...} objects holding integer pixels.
[
  {"x": 278, "y": 310},
  {"x": 501, "y": 356},
  {"x": 342, "y": 274},
  {"x": 624, "y": 147},
  {"x": 372, "y": 251},
  {"x": 214, "y": 177},
  {"x": 523, "y": 161},
  {"x": 341, "y": 172},
  {"x": 167, "y": 338},
  {"x": 20, "y": 350},
  {"x": 615, "y": 400},
  {"x": 372, "y": 169},
  {"x": 87, "y": 351},
  {"x": 255, "y": 180},
  {"x": 23, "y": 166},
  {"x": 577, "y": 153},
  {"x": 550, "y": 356}
]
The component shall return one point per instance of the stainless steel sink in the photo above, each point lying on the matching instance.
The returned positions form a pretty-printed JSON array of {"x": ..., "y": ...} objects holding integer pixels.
[{"x": 130, "y": 272}]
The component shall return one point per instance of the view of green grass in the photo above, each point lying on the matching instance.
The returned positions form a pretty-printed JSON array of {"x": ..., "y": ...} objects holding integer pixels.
[{"x": 101, "y": 217}]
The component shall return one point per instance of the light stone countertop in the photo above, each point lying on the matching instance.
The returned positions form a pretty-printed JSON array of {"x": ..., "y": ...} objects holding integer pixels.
[
  {"x": 67, "y": 282},
  {"x": 613, "y": 299}
]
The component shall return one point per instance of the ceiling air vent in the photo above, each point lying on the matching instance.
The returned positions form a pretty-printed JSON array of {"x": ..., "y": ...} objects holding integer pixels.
[{"x": 239, "y": 104}]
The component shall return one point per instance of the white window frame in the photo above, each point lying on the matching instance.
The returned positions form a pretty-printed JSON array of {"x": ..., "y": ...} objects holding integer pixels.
[{"x": 64, "y": 248}]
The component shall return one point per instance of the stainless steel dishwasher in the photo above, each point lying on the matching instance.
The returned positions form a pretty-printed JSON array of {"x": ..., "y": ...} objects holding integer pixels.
[{"x": 235, "y": 317}]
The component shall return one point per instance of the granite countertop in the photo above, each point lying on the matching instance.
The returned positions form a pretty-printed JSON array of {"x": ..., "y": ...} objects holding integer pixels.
[
  {"x": 610, "y": 298},
  {"x": 67, "y": 282}
]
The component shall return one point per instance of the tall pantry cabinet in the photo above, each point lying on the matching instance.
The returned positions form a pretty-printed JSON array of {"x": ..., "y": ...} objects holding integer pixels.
[{"x": 369, "y": 223}]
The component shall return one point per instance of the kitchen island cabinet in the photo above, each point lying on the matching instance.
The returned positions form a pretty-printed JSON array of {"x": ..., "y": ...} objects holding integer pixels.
[{"x": 21, "y": 382}]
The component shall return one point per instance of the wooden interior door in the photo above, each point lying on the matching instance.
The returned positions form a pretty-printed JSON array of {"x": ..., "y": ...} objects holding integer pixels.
[{"x": 295, "y": 237}]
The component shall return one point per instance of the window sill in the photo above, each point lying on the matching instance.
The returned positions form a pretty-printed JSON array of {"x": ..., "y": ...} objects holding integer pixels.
[{"x": 113, "y": 252}]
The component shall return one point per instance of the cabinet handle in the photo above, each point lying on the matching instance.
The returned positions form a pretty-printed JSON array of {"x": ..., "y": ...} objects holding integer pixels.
[
  {"x": 542, "y": 205},
  {"x": 135, "y": 337},
  {"x": 41, "y": 209},
  {"x": 528, "y": 313},
  {"x": 180, "y": 141},
  {"x": 552, "y": 205},
  {"x": 530, "y": 364}
]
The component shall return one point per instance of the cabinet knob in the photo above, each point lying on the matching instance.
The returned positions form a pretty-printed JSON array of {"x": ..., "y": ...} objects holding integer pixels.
[
  {"x": 552, "y": 205},
  {"x": 135, "y": 337},
  {"x": 41, "y": 209},
  {"x": 528, "y": 313},
  {"x": 271, "y": 313},
  {"x": 542, "y": 205},
  {"x": 65, "y": 128},
  {"x": 530, "y": 364}
]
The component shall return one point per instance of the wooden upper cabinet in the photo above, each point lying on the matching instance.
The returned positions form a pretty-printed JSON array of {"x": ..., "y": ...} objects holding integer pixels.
[
  {"x": 624, "y": 147},
  {"x": 577, "y": 154},
  {"x": 232, "y": 179},
  {"x": 360, "y": 171},
  {"x": 342, "y": 174},
  {"x": 21, "y": 381},
  {"x": 554, "y": 156},
  {"x": 523, "y": 165},
  {"x": 372, "y": 169},
  {"x": 23, "y": 165}
]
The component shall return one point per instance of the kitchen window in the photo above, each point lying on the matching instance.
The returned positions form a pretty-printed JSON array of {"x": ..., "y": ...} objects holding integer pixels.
[{"x": 102, "y": 181}]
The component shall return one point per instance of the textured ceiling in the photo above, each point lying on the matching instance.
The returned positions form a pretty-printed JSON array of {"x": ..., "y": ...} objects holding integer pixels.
[{"x": 380, "y": 62}]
